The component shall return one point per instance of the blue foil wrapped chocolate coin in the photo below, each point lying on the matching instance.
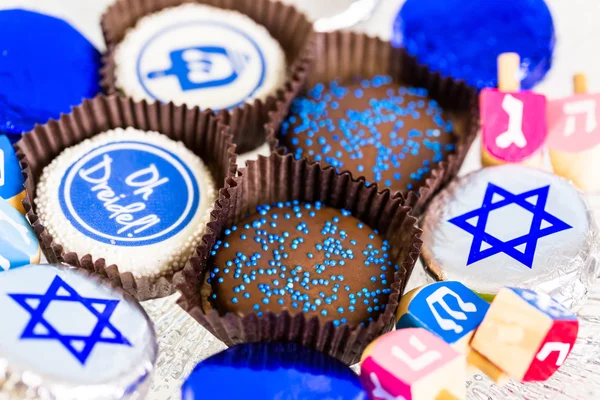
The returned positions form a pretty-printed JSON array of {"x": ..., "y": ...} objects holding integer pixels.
[
  {"x": 272, "y": 371},
  {"x": 463, "y": 39},
  {"x": 46, "y": 66}
]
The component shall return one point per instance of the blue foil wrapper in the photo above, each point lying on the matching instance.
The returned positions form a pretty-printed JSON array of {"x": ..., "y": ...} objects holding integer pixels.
[
  {"x": 272, "y": 371},
  {"x": 46, "y": 67},
  {"x": 463, "y": 39}
]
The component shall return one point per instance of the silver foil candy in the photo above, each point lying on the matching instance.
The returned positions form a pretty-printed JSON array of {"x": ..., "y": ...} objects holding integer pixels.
[
  {"x": 67, "y": 335},
  {"x": 512, "y": 226}
]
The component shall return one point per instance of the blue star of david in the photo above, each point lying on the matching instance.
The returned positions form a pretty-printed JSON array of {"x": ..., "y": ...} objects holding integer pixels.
[
  {"x": 78, "y": 345},
  {"x": 510, "y": 247}
]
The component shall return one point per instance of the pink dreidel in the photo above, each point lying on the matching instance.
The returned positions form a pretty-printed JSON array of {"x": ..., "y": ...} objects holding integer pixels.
[
  {"x": 527, "y": 334},
  {"x": 513, "y": 122},
  {"x": 412, "y": 364},
  {"x": 574, "y": 136}
]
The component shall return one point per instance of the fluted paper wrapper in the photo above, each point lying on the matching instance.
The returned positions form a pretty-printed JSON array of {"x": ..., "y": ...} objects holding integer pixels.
[
  {"x": 200, "y": 131},
  {"x": 285, "y": 23},
  {"x": 281, "y": 178},
  {"x": 348, "y": 55}
]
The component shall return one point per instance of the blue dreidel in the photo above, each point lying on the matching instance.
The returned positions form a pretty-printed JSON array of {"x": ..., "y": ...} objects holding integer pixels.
[{"x": 453, "y": 312}]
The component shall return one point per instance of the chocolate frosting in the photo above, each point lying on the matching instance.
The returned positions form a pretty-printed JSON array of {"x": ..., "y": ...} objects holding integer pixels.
[
  {"x": 392, "y": 135},
  {"x": 302, "y": 257}
]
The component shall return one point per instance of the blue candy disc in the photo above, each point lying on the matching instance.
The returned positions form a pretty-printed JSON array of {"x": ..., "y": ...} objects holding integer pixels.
[
  {"x": 272, "y": 371},
  {"x": 46, "y": 66},
  {"x": 463, "y": 39}
]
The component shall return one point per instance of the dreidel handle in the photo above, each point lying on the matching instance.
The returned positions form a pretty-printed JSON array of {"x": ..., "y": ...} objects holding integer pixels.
[
  {"x": 580, "y": 83},
  {"x": 508, "y": 72}
]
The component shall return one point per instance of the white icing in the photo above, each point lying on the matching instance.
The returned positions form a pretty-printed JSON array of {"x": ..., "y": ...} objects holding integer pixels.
[
  {"x": 223, "y": 58},
  {"x": 149, "y": 260}
]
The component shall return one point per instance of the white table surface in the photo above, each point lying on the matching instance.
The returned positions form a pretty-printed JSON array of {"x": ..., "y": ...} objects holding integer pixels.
[{"x": 183, "y": 342}]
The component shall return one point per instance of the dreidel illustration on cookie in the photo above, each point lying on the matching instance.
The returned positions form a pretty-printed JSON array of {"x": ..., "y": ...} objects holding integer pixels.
[
  {"x": 526, "y": 334},
  {"x": 412, "y": 364},
  {"x": 11, "y": 178},
  {"x": 513, "y": 122},
  {"x": 574, "y": 136},
  {"x": 453, "y": 312}
]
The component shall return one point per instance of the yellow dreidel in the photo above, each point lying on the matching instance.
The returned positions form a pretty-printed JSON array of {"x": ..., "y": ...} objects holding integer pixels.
[
  {"x": 513, "y": 122},
  {"x": 11, "y": 177},
  {"x": 526, "y": 334}
]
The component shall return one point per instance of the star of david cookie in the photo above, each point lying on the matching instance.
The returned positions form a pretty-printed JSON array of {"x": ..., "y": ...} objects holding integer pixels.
[
  {"x": 54, "y": 316},
  {"x": 512, "y": 226}
]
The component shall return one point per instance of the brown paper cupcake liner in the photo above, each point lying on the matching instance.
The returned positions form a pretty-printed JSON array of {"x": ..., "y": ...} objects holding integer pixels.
[
  {"x": 346, "y": 55},
  {"x": 281, "y": 178},
  {"x": 200, "y": 131},
  {"x": 285, "y": 23}
]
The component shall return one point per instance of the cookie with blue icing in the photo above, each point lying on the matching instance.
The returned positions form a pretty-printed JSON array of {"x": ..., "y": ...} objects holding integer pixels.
[
  {"x": 199, "y": 55},
  {"x": 391, "y": 134},
  {"x": 19, "y": 246},
  {"x": 11, "y": 178},
  {"x": 302, "y": 257},
  {"x": 137, "y": 199},
  {"x": 272, "y": 371},
  {"x": 47, "y": 67}
]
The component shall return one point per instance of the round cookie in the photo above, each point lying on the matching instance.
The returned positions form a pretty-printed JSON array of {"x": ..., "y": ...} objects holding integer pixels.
[
  {"x": 19, "y": 245},
  {"x": 512, "y": 226},
  {"x": 463, "y": 39},
  {"x": 272, "y": 371},
  {"x": 47, "y": 67},
  {"x": 137, "y": 199},
  {"x": 302, "y": 257},
  {"x": 390, "y": 134},
  {"x": 201, "y": 56},
  {"x": 68, "y": 335}
]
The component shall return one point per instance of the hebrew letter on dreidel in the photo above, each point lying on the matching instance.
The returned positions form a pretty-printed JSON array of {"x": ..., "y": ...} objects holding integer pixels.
[
  {"x": 574, "y": 123},
  {"x": 522, "y": 331},
  {"x": 413, "y": 364},
  {"x": 586, "y": 107},
  {"x": 445, "y": 323},
  {"x": 420, "y": 362},
  {"x": 549, "y": 347},
  {"x": 379, "y": 392},
  {"x": 514, "y": 134}
]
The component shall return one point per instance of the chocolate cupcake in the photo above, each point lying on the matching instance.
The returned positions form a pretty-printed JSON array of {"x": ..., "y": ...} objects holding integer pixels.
[
  {"x": 302, "y": 257},
  {"x": 125, "y": 188},
  {"x": 299, "y": 252},
  {"x": 210, "y": 54},
  {"x": 389, "y": 133},
  {"x": 371, "y": 110}
]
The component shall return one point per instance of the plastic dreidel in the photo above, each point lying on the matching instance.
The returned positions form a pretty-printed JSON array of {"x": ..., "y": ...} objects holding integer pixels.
[{"x": 513, "y": 122}]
